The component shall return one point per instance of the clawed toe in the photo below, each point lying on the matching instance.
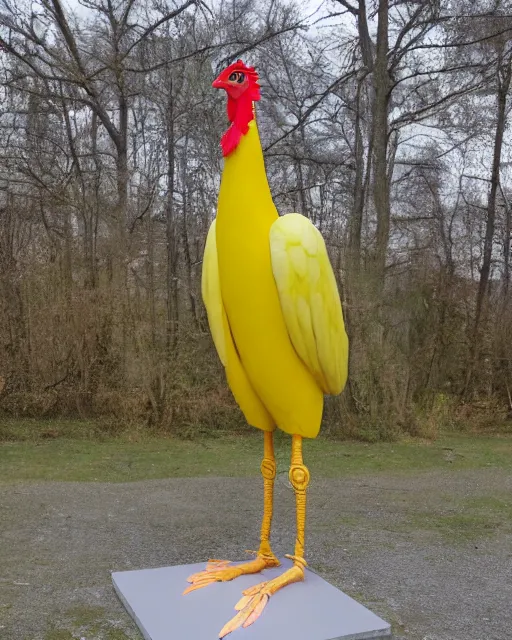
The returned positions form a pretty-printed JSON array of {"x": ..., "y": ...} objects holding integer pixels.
[
  {"x": 223, "y": 571},
  {"x": 249, "y": 609},
  {"x": 255, "y": 598},
  {"x": 216, "y": 571},
  {"x": 211, "y": 567}
]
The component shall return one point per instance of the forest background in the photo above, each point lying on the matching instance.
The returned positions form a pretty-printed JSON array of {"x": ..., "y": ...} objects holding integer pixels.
[{"x": 384, "y": 121}]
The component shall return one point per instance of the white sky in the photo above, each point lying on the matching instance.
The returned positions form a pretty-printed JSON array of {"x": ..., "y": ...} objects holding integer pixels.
[{"x": 315, "y": 9}]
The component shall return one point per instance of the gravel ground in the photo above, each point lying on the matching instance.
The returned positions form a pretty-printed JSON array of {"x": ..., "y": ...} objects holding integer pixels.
[{"x": 371, "y": 536}]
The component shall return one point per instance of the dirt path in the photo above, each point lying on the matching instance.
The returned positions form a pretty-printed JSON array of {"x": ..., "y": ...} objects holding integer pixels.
[{"x": 432, "y": 554}]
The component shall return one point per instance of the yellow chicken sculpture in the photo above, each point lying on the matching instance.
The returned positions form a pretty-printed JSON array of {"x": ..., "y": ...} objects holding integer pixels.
[{"x": 276, "y": 320}]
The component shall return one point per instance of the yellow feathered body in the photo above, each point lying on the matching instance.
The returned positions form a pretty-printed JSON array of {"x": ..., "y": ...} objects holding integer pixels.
[{"x": 272, "y": 301}]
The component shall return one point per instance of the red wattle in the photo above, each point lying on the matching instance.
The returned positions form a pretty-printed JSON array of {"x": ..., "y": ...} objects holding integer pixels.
[
  {"x": 230, "y": 139},
  {"x": 240, "y": 113},
  {"x": 232, "y": 107}
]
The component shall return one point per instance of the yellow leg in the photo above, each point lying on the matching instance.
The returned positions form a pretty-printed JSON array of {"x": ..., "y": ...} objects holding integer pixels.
[
  {"x": 223, "y": 570},
  {"x": 268, "y": 471},
  {"x": 299, "y": 478},
  {"x": 255, "y": 598}
]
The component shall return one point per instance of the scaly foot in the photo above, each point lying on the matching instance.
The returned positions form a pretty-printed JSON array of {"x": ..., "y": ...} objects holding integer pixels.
[
  {"x": 254, "y": 599},
  {"x": 224, "y": 570}
]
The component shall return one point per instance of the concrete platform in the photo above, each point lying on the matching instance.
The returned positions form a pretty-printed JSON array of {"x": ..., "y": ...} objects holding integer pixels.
[{"x": 311, "y": 610}]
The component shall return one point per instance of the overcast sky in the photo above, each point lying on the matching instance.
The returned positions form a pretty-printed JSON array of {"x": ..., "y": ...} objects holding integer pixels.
[{"x": 480, "y": 157}]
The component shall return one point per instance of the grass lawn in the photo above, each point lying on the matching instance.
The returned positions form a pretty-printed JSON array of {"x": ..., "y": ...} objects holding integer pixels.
[
  {"x": 441, "y": 516},
  {"x": 73, "y": 452}
]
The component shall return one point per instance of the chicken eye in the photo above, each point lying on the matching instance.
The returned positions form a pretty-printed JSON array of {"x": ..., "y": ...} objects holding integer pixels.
[{"x": 237, "y": 76}]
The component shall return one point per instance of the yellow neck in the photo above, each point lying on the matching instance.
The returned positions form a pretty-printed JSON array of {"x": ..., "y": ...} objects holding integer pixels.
[{"x": 244, "y": 178}]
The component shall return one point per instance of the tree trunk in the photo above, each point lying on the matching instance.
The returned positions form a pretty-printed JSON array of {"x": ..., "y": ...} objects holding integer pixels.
[
  {"x": 17, "y": 372},
  {"x": 507, "y": 237},
  {"x": 172, "y": 278},
  {"x": 503, "y": 80},
  {"x": 356, "y": 216},
  {"x": 150, "y": 268},
  {"x": 185, "y": 239},
  {"x": 381, "y": 86},
  {"x": 367, "y": 48},
  {"x": 121, "y": 249}
]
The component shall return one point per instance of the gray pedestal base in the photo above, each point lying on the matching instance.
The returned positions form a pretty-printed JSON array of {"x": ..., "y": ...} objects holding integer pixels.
[{"x": 311, "y": 610}]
